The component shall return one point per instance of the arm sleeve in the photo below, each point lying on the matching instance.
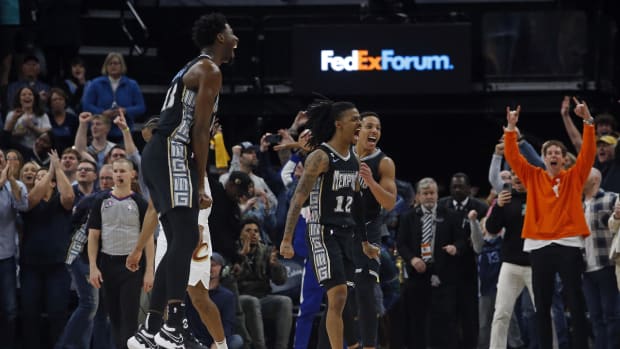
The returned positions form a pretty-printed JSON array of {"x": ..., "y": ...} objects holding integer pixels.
[
  {"x": 495, "y": 221},
  {"x": 277, "y": 271},
  {"x": 288, "y": 170},
  {"x": 516, "y": 161},
  {"x": 404, "y": 237},
  {"x": 458, "y": 233},
  {"x": 45, "y": 121},
  {"x": 476, "y": 235},
  {"x": 137, "y": 107},
  {"x": 530, "y": 154},
  {"x": 142, "y": 206},
  {"x": 94, "y": 220},
  {"x": 89, "y": 100},
  {"x": 22, "y": 204},
  {"x": 494, "y": 169},
  {"x": 586, "y": 156}
]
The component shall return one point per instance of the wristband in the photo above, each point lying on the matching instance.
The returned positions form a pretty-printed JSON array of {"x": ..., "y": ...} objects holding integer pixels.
[
  {"x": 589, "y": 121},
  {"x": 126, "y": 129}
]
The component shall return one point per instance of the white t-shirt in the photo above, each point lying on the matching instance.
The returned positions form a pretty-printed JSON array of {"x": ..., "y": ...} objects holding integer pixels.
[{"x": 41, "y": 121}]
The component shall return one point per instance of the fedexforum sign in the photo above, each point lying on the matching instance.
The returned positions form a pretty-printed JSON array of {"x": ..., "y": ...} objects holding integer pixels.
[
  {"x": 360, "y": 60},
  {"x": 382, "y": 59}
]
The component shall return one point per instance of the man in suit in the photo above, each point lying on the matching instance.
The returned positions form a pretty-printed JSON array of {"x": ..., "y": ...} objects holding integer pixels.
[
  {"x": 429, "y": 240},
  {"x": 461, "y": 201}
]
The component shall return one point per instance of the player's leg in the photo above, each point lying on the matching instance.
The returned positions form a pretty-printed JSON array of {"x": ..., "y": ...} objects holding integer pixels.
[
  {"x": 209, "y": 314},
  {"x": 182, "y": 224}
]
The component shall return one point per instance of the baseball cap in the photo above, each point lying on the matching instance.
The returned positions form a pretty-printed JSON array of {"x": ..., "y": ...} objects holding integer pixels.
[
  {"x": 217, "y": 258},
  {"x": 248, "y": 146},
  {"x": 241, "y": 180},
  {"x": 611, "y": 140}
]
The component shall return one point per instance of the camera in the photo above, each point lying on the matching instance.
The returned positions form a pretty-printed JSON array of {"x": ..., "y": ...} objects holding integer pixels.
[{"x": 273, "y": 139}]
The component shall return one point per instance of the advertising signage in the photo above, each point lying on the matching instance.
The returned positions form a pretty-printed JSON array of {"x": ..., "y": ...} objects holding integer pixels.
[{"x": 382, "y": 59}]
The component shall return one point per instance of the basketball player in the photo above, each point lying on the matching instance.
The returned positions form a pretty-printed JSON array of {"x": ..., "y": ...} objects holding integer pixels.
[
  {"x": 174, "y": 167},
  {"x": 378, "y": 190},
  {"x": 330, "y": 181}
]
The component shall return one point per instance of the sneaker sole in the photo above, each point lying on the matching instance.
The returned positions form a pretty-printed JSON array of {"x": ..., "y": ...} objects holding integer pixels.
[
  {"x": 166, "y": 344},
  {"x": 132, "y": 343}
]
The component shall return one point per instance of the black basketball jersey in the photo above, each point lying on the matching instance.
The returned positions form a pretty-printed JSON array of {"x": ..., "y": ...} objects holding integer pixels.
[
  {"x": 372, "y": 208},
  {"x": 331, "y": 198},
  {"x": 177, "y": 114}
]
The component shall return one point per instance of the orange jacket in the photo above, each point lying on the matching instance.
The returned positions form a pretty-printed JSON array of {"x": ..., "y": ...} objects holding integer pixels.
[{"x": 549, "y": 216}]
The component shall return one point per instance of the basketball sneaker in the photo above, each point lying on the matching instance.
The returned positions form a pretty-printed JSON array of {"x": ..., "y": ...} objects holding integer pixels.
[
  {"x": 171, "y": 337},
  {"x": 142, "y": 340}
]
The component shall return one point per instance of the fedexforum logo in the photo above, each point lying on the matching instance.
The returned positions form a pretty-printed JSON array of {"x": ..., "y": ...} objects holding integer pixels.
[{"x": 359, "y": 60}]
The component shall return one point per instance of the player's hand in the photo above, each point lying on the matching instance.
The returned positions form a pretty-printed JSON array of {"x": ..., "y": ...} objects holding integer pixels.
[
  {"x": 286, "y": 249},
  {"x": 204, "y": 200},
  {"x": 133, "y": 260},
  {"x": 366, "y": 173},
  {"x": 148, "y": 280},
  {"x": 450, "y": 249},
  {"x": 95, "y": 277},
  {"x": 418, "y": 264},
  {"x": 371, "y": 251}
]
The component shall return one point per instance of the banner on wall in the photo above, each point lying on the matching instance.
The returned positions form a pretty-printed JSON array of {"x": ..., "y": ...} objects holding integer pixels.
[{"x": 382, "y": 59}]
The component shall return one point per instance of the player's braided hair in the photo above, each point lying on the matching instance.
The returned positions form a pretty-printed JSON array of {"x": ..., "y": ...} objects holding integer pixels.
[{"x": 321, "y": 117}]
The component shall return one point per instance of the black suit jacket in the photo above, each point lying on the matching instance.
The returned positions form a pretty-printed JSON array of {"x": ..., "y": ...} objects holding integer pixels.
[
  {"x": 447, "y": 232},
  {"x": 468, "y": 263}
]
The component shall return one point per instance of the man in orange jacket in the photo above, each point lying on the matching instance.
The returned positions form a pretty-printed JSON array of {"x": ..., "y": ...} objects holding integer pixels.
[{"x": 555, "y": 227}]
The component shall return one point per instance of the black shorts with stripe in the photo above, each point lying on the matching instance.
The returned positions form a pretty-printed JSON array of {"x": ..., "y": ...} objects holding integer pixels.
[
  {"x": 330, "y": 253},
  {"x": 363, "y": 264},
  {"x": 170, "y": 174}
]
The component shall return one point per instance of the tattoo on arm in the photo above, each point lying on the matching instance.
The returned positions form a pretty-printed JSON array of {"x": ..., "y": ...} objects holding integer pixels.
[{"x": 315, "y": 165}]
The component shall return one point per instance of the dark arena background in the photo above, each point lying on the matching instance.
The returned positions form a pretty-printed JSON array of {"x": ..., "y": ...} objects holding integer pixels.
[{"x": 450, "y": 66}]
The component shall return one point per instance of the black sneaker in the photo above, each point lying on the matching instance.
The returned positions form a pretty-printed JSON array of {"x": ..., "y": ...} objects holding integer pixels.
[
  {"x": 142, "y": 340},
  {"x": 170, "y": 337}
]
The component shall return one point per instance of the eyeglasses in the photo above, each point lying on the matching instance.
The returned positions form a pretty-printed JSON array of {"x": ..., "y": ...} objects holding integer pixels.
[
  {"x": 85, "y": 169},
  {"x": 106, "y": 178}
]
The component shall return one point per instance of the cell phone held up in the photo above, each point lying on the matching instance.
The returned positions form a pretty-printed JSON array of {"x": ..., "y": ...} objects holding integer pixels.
[
  {"x": 273, "y": 139},
  {"x": 507, "y": 187}
]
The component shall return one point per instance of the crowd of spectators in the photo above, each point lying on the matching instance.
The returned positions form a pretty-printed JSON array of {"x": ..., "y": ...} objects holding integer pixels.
[{"x": 67, "y": 151}]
